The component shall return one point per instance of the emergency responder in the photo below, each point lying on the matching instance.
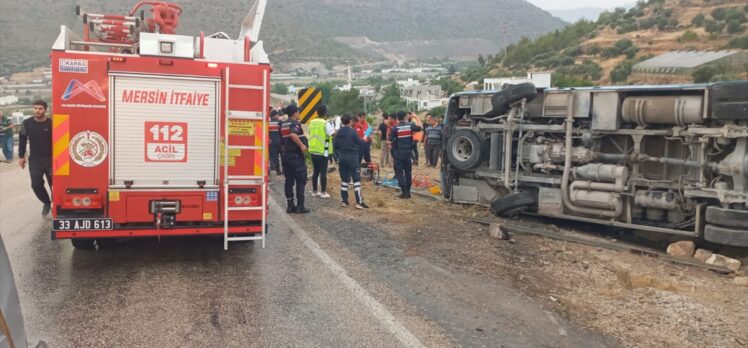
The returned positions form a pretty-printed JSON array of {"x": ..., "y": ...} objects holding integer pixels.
[
  {"x": 320, "y": 147},
  {"x": 38, "y": 131},
  {"x": 292, "y": 157},
  {"x": 433, "y": 142},
  {"x": 275, "y": 141},
  {"x": 346, "y": 144},
  {"x": 401, "y": 141}
]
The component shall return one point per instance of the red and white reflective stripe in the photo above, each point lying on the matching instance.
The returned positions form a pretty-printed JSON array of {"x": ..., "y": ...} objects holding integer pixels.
[
  {"x": 274, "y": 127},
  {"x": 285, "y": 130},
  {"x": 404, "y": 132}
]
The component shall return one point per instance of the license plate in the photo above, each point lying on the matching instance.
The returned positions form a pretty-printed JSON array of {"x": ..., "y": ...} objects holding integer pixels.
[{"x": 82, "y": 224}]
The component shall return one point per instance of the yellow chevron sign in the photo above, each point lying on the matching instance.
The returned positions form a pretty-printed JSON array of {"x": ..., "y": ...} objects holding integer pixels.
[{"x": 309, "y": 100}]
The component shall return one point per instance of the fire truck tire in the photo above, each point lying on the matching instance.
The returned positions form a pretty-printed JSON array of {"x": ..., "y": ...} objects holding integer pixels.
[
  {"x": 465, "y": 150},
  {"x": 726, "y": 235},
  {"x": 511, "y": 94},
  {"x": 513, "y": 203},
  {"x": 85, "y": 244},
  {"x": 727, "y": 217}
]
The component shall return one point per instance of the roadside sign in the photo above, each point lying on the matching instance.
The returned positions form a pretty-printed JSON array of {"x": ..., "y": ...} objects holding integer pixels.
[{"x": 309, "y": 100}]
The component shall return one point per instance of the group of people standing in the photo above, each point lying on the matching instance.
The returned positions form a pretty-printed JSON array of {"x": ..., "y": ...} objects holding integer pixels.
[{"x": 346, "y": 140}]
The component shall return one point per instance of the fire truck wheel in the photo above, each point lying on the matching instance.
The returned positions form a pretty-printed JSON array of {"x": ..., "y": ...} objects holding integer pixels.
[
  {"x": 513, "y": 203},
  {"x": 511, "y": 94},
  {"x": 83, "y": 243},
  {"x": 465, "y": 150},
  {"x": 726, "y": 235}
]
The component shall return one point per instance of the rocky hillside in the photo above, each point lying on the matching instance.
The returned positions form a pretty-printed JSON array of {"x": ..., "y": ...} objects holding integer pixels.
[
  {"x": 294, "y": 30},
  {"x": 604, "y": 51}
]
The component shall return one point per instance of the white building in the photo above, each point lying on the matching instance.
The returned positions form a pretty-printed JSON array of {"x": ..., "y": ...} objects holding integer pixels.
[
  {"x": 403, "y": 84},
  {"x": 8, "y": 100},
  {"x": 424, "y": 97},
  {"x": 539, "y": 79}
]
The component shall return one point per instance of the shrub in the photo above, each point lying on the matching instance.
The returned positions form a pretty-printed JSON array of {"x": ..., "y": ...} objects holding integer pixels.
[
  {"x": 698, "y": 20},
  {"x": 713, "y": 27},
  {"x": 719, "y": 13},
  {"x": 594, "y": 50},
  {"x": 735, "y": 27},
  {"x": 689, "y": 36},
  {"x": 631, "y": 52},
  {"x": 563, "y": 80},
  {"x": 739, "y": 42},
  {"x": 704, "y": 74},
  {"x": 735, "y": 15},
  {"x": 627, "y": 28},
  {"x": 662, "y": 23},
  {"x": 621, "y": 72},
  {"x": 647, "y": 23}
]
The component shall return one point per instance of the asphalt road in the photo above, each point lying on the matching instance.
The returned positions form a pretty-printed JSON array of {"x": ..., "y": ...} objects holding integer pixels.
[{"x": 315, "y": 285}]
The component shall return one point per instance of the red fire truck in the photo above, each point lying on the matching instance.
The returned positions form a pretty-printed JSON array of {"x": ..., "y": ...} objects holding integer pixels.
[{"x": 157, "y": 134}]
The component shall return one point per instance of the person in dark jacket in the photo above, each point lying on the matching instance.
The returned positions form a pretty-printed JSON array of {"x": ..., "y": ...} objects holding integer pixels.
[
  {"x": 346, "y": 144},
  {"x": 275, "y": 141},
  {"x": 295, "y": 144},
  {"x": 37, "y": 131},
  {"x": 402, "y": 144}
]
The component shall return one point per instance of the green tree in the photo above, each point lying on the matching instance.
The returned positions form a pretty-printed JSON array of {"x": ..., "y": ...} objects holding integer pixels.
[
  {"x": 279, "y": 88},
  {"x": 689, "y": 36},
  {"x": 345, "y": 101},
  {"x": 704, "y": 74},
  {"x": 438, "y": 111},
  {"x": 719, "y": 13},
  {"x": 621, "y": 72},
  {"x": 392, "y": 102},
  {"x": 734, "y": 26},
  {"x": 326, "y": 88},
  {"x": 450, "y": 86},
  {"x": 698, "y": 20},
  {"x": 564, "y": 80}
]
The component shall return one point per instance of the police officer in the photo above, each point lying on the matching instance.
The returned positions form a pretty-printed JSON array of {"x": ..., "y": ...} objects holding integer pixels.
[
  {"x": 292, "y": 157},
  {"x": 275, "y": 141},
  {"x": 401, "y": 142},
  {"x": 346, "y": 144}
]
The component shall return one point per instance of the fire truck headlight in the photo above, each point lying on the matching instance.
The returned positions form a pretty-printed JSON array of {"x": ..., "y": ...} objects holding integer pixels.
[
  {"x": 86, "y": 201},
  {"x": 237, "y": 200},
  {"x": 246, "y": 200},
  {"x": 77, "y": 202}
]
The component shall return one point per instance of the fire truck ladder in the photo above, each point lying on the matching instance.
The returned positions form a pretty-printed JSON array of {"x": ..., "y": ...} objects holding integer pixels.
[{"x": 233, "y": 180}]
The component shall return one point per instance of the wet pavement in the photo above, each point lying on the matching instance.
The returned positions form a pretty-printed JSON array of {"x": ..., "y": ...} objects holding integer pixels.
[{"x": 320, "y": 282}]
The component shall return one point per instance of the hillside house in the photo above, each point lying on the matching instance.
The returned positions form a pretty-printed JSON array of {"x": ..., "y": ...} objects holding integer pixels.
[
  {"x": 686, "y": 62},
  {"x": 424, "y": 97}
]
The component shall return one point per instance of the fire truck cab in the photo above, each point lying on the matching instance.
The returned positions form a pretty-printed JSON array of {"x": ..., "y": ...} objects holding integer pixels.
[{"x": 157, "y": 134}]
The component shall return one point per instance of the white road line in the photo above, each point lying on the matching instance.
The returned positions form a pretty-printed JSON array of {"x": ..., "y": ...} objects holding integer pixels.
[{"x": 376, "y": 309}]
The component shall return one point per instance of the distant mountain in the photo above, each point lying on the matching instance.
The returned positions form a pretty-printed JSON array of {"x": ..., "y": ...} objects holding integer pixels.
[
  {"x": 574, "y": 14},
  {"x": 296, "y": 30}
]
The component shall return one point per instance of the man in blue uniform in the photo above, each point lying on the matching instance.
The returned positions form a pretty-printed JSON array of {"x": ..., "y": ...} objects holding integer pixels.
[
  {"x": 275, "y": 141},
  {"x": 346, "y": 144},
  {"x": 292, "y": 157},
  {"x": 402, "y": 144}
]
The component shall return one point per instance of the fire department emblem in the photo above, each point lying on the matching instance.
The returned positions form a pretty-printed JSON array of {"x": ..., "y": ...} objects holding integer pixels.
[{"x": 88, "y": 149}]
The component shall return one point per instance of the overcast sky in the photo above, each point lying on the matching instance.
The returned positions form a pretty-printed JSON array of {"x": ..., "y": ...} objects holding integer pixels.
[{"x": 567, "y": 4}]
